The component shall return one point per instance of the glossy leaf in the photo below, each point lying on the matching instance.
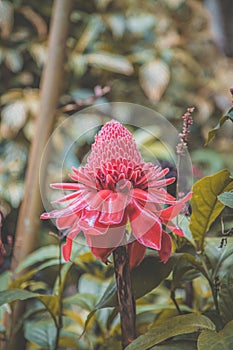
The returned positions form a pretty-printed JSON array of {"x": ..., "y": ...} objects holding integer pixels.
[
  {"x": 212, "y": 133},
  {"x": 205, "y": 204},
  {"x": 154, "y": 77},
  {"x": 226, "y": 198},
  {"x": 222, "y": 340},
  {"x": 169, "y": 328}
]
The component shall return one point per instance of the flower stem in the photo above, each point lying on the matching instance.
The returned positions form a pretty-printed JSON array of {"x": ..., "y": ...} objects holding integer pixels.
[{"x": 125, "y": 296}]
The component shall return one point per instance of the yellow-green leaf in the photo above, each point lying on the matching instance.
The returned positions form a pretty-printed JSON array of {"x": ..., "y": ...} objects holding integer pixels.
[
  {"x": 205, "y": 204},
  {"x": 212, "y": 340}
]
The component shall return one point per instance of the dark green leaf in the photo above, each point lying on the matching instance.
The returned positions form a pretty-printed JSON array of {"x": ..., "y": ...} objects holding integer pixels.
[
  {"x": 177, "y": 345},
  {"x": 226, "y": 296},
  {"x": 205, "y": 204},
  {"x": 222, "y": 340},
  {"x": 147, "y": 276},
  {"x": 169, "y": 328},
  {"x": 222, "y": 120}
]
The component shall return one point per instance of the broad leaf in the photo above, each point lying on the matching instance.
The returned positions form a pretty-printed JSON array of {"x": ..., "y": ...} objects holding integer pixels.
[
  {"x": 177, "y": 345},
  {"x": 154, "y": 77},
  {"x": 211, "y": 134},
  {"x": 170, "y": 328},
  {"x": 222, "y": 340},
  {"x": 226, "y": 296},
  {"x": 147, "y": 276},
  {"x": 40, "y": 255},
  {"x": 205, "y": 204},
  {"x": 11, "y": 295},
  {"x": 110, "y": 62},
  {"x": 41, "y": 332},
  {"x": 84, "y": 300},
  {"x": 226, "y": 198}
]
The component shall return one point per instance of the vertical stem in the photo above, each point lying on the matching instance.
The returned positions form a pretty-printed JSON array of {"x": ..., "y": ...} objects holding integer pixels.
[
  {"x": 59, "y": 324},
  {"x": 28, "y": 223},
  {"x": 125, "y": 297}
]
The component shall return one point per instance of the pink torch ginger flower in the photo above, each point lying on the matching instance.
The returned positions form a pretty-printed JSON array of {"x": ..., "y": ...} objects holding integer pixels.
[{"x": 117, "y": 186}]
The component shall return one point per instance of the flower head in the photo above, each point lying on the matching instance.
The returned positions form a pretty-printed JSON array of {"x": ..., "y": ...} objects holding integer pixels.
[{"x": 114, "y": 187}]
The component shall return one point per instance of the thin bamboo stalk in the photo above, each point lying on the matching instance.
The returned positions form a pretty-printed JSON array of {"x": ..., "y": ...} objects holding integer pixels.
[{"x": 28, "y": 223}]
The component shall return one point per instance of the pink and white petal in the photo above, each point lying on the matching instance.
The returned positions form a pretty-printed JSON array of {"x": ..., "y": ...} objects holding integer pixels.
[
  {"x": 137, "y": 252},
  {"x": 67, "y": 186},
  {"x": 172, "y": 211},
  {"x": 166, "y": 247},
  {"x": 102, "y": 246},
  {"x": 97, "y": 199},
  {"x": 66, "y": 221},
  {"x": 113, "y": 208},
  {"x": 174, "y": 228},
  {"x": 67, "y": 247},
  {"x": 145, "y": 226},
  {"x": 89, "y": 223}
]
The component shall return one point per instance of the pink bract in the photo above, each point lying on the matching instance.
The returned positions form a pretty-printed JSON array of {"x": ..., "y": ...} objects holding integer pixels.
[{"x": 117, "y": 186}]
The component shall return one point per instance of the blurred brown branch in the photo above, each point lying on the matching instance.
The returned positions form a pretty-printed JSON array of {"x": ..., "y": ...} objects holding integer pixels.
[{"x": 28, "y": 224}]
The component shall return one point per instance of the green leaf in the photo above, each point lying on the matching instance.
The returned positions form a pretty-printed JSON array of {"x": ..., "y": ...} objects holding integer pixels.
[
  {"x": 11, "y": 295},
  {"x": 205, "y": 204},
  {"x": 211, "y": 134},
  {"x": 226, "y": 198},
  {"x": 169, "y": 328},
  {"x": 211, "y": 340},
  {"x": 42, "y": 332},
  {"x": 154, "y": 78},
  {"x": 226, "y": 296},
  {"x": 40, "y": 255},
  {"x": 110, "y": 62},
  {"x": 177, "y": 345},
  {"x": 147, "y": 276},
  {"x": 84, "y": 300}
]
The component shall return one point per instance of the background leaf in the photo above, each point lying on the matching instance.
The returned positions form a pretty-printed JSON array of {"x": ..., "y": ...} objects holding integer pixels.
[
  {"x": 228, "y": 116},
  {"x": 205, "y": 204},
  {"x": 154, "y": 77},
  {"x": 222, "y": 340},
  {"x": 226, "y": 198},
  {"x": 169, "y": 328}
]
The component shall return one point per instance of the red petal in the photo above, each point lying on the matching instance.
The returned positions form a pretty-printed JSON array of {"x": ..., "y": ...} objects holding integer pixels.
[
  {"x": 171, "y": 212},
  {"x": 67, "y": 247},
  {"x": 145, "y": 226},
  {"x": 90, "y": 224},
  {"x": 102, "y": 246},
  {"x": 166, "y": 247},
  {"x": 136, "y": 253},
  {"x": 113, "y": 209},
  {"x": 175, "y": 229},
  {"x": 66, "y": 186},
  {"x": 66, "y": 221}
]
